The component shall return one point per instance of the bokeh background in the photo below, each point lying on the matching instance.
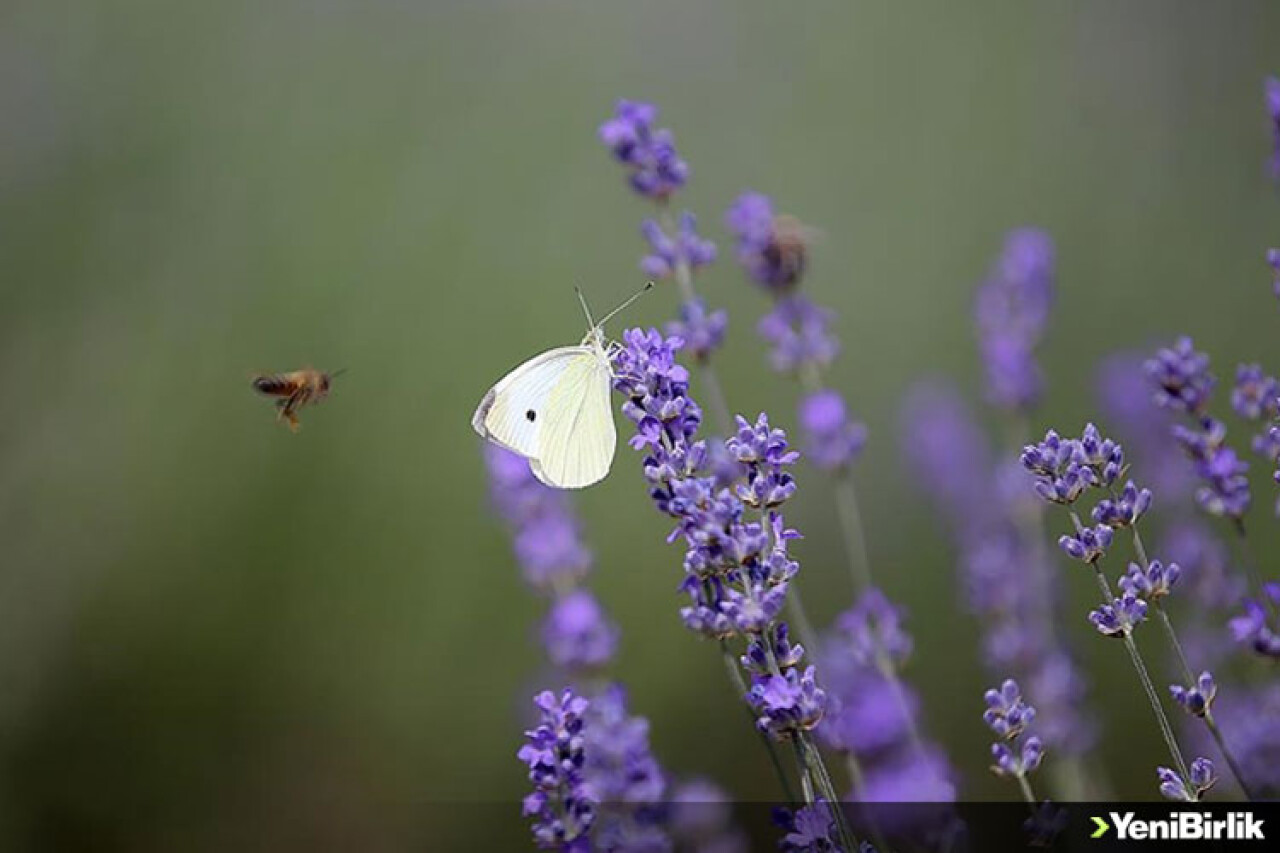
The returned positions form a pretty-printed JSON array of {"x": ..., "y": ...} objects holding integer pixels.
[{"x": 215, "y": 634}]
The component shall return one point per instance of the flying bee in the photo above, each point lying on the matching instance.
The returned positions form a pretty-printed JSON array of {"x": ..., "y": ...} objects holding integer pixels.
[{"x": 295, "y": 389}]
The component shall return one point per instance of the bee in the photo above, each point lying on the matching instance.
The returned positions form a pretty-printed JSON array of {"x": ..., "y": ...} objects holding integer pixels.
[
  {"x": 294, "y": 389},
  {"x": 787, "y": 253}
]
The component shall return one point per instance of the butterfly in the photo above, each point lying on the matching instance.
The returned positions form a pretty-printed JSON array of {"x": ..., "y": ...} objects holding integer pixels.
[{"x": 554, "y": 409}]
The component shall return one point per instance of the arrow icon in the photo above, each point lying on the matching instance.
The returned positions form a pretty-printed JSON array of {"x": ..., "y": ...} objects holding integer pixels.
[{"x": 1102, "y": 828}]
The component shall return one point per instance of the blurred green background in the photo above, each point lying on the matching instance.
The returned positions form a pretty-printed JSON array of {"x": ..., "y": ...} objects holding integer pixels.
[{"x": 215, "y": 634}]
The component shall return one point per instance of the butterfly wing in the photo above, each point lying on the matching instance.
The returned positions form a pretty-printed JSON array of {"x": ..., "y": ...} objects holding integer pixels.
[
  {"x": 577, "y": 440},
  {"x": 513, "y": 414}
]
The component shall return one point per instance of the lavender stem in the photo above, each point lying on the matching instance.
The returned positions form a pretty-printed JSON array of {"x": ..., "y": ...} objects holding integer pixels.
[
  {"x": 855, "y": 540},
  {"x": 1188, "y": 676},
  {"x": 810, "y": 759},
  {"x": 1251, "y": 567},
  {"x": 847, "y": 511},
  {"x": 1024, "y": 785},
  {"x": 828, "y": 791},
  {"x": 806, "y": 776},
  {"x": 1166, "y": 730}
]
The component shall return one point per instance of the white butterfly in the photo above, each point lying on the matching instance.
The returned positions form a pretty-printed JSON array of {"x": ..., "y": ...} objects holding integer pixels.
[{"x": 554, "y": 409}]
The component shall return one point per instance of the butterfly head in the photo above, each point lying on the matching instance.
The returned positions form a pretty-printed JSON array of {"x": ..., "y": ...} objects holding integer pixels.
[{"x": 595, "y": 339}]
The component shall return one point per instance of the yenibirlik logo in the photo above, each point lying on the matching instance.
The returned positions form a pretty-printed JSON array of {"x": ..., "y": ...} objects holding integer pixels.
[{"x": 1182, "y": 826}]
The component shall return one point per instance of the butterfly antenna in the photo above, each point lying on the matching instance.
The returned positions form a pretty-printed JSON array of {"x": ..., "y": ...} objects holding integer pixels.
[
  {"x": 641, "y": 292},
  {"x": 591, "y": 324},
  {"x": 338, "y": 372}
]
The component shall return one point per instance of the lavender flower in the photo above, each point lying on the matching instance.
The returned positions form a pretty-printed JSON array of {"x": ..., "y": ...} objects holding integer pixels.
[
  {"x": 737, "y": 569},
  {"x": 785, "y": 654},
  {"x": 1011, "y": 310},
  {"x": 665, "y": 417},
  {"x": 872, "y": 632},
  {"x": 872, "y": 714},
  {"x": 667, "y": 252},
  {"x": 545, "y": 532},
  {"x": 1252, "y": 629},
  {"x": 832, "y": 440},
  {"x": 1103, "y": 456},
  {"x": 621, "y": 775},
  {"x": 1060, "y": 467},
  {"x": 867, "y": 713},
  {"x": 577, "y": 634},
  {"x": 774, "y": 250},
  {"x": 1226, "y": 485},
  {"x": 765, "y": 456},
  {"x": 1196, "y": 699},
  {"x": 1152, "y": 583},
  {"x": 787, "y": 704},
  {"x": 1174, "y": 787},
  {"x": 1181, "y": 377},
  {"x": 562, "y": 808},
  {"x": 702, "y": 331},
  {"x": 1088, "y": 545},
  {"x": 1124, "y": 511},
  {"x": 799, "y": 332},
  {"x": 1120, "y": 617},
  {"x": 1007, "y": 714},
  {"x": 1273, "y": 261},
  {"x": 1017, "y": 752},
  {"x": 655, "y": 168},
  {"x": 1254, "y": 394},
  {"x": 909, "y": 777},
  {"x": 1254, "y": 398},
  {"x": 812, "y": 829},
  {"x": 1184, "y": 384}
]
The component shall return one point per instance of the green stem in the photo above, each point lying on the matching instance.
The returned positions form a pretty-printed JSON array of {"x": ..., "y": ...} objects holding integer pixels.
[
  {"x": 1188, "y": 676},
  {"x": 828, "y": 791},
  {"x": 1251, "y": 568},
  {"x": 1144, "y": 676},
  {"x": 1228, "y": 755},
  {"x": 1025, "y": 786},
  {"x": 1165, "y": 729},
  {"x": 847, "y": 512},
  {"x": 1208, "y": 714},
  {"x": 1139, "y": 666},
  {"x": 806, "y": 774},
  {"x": 855, "y": 540}
]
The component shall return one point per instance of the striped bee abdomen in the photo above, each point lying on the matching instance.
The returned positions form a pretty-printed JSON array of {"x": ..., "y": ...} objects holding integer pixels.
[{"x": 275, "y": 384}]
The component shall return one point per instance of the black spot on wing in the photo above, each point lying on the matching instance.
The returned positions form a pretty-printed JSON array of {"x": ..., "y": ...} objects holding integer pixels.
[{"x": 531, "y": 416}]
